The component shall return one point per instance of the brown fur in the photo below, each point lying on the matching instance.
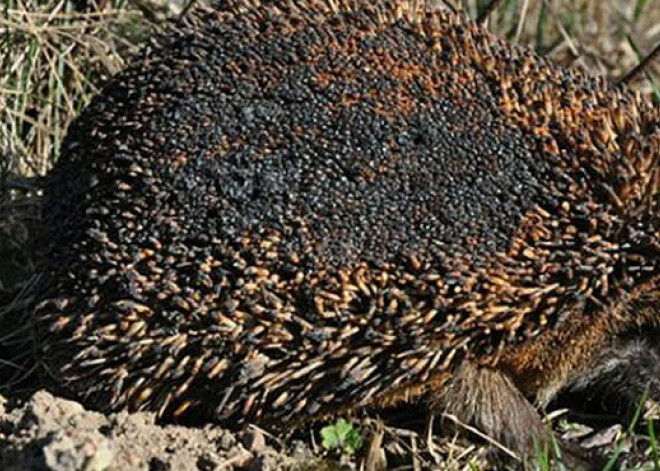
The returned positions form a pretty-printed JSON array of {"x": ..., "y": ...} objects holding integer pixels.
[
  {"x": 614, "y": 360},
  {"x": 577, "y": 350}
]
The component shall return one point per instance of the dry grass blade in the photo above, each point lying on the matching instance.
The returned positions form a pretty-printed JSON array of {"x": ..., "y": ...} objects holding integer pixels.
[
  {"x": 590, "y": 32},
  {"x": 570, "y": 42},
  {"x": 405, "y": 439},
  {"x": 16, "y": 182},
  {"x": 482, "y": 435},
  {"x": 521, "y": 21},
  {"x": 429, "y": 440},
  {"x": 641, "y": 67},
  {"x": 53, "y": 56},
  {"x": 375, "y": 456}
]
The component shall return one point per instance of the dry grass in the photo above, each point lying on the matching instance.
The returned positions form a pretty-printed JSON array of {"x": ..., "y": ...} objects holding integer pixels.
[
  {"x": 54, "y": 54},
  {"x": 604, "y": 37},
  {"x": 54, "y": 58}
]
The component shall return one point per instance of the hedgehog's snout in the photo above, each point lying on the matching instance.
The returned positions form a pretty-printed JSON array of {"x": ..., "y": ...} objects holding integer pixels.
[{"x": 620, "y": 376}]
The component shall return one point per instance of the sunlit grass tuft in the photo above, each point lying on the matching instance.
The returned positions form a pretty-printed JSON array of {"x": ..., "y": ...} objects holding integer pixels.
[{"x": 53, "y": 57}]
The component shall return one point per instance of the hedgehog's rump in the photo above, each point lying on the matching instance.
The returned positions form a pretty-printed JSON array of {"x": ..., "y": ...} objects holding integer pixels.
[{"x": 288, "y": 211}]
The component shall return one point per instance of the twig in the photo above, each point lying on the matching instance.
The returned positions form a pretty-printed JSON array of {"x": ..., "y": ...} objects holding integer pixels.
[
  {"x": 482, "y": 435},
  {"x": 562, "y": 30},
  {"x": 429, "y": 440},
  {"x": 240, "y": 459},
  {"x": 265, "y": 433},
  {"x": 483, "y": 16},
  {"x": 641, "y": 66}
]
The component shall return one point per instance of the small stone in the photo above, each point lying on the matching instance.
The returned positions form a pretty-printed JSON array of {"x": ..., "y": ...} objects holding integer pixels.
[
  {"x": 254, "y": 440},
  {"x": 207, "y": 463},
  {"x": 62, "y": 453},
  {"x": 102, "y": 457},
  {"x": 226, "y": 440},
  {"x": 156, "y": 464}
]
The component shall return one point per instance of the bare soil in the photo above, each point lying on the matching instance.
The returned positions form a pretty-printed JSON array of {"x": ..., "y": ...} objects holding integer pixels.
[{"x": 51, "y": 433}]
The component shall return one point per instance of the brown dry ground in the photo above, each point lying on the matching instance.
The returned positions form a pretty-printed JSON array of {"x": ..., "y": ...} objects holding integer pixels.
[
  {"x": 54, "y": 54},
  {"x": 52, "y": 433}
]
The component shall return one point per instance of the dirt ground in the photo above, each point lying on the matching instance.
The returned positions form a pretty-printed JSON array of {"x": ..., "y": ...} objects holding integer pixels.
[
  {"x": 45, "y": 432},
  {"x": 50, "y": 433}
]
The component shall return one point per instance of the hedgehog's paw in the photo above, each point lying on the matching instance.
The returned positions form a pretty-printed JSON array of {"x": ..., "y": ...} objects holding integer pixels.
[{"x": 488, "y": 400}]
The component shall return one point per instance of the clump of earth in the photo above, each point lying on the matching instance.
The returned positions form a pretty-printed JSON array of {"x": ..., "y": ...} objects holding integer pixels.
[{"x": 46, "y": 432}]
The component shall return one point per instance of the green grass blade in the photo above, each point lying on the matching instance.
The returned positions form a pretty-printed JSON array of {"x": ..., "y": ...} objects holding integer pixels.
[
  {"x": 541, "y": 27},
  {"x": 654, "y": 445},
  {"x": 611, "y": 463},
  {"x": 639, "y": 8}
]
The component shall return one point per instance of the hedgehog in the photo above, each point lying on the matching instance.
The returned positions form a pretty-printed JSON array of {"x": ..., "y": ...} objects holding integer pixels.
[{"x": 286, "y": 210}]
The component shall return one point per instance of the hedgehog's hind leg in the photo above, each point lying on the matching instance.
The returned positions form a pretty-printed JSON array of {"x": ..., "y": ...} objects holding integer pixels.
[{"x": 489, "y": 400}]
